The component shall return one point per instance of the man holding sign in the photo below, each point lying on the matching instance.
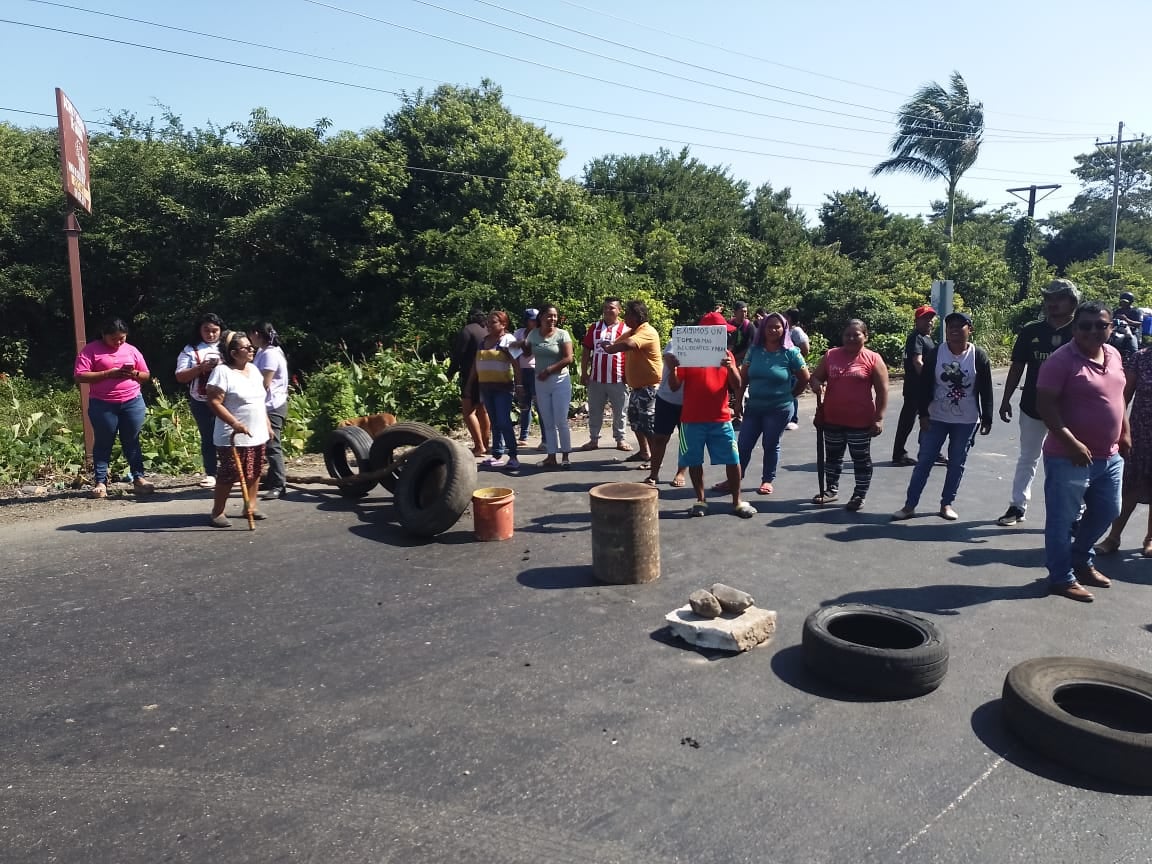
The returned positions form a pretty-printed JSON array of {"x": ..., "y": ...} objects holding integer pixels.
[{"x": 706, "y": 371}]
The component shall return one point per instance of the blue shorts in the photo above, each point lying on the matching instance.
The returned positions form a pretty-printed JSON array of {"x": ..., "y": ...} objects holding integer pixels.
[{"x": 717, "y": 437}]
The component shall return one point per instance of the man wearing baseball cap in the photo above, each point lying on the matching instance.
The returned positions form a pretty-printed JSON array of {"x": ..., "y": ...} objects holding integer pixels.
[
  {"x": 1032, "y": 347},
  {"x": 916, "y": 348}
]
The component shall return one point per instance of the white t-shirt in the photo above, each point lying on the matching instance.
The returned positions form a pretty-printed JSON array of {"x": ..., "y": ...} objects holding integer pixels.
[
  {"x": 954, "y": 397},
  {"x": 799, "y": 338},
  {"x": 244, "y": 399},
  {"x": 526, "y": 361},
  {"x": 194, "y": 356},
  {"x": 272, "y": 358},
  {"x": 665, "y": 391}
]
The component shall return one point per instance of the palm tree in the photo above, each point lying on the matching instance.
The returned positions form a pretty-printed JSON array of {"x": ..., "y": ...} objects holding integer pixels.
[{"x": 940, "y": 134}]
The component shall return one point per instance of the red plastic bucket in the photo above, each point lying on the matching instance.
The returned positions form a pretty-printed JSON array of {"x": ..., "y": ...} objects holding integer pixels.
[{"x": 492, "y": 513}]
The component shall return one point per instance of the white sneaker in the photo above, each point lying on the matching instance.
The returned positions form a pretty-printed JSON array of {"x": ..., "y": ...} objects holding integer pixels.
[
  {"x": 209, "y": 482},
  {"x": 792, "y": 427}
]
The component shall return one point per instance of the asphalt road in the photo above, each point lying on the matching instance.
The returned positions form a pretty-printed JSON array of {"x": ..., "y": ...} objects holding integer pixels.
[{"x": 325, "y": 689}]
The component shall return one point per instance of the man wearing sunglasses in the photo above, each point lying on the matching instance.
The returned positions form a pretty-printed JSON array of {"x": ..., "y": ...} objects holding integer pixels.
[
  {"x": 1034, "y": 344},
  {"x": 1080, "y": 397}
]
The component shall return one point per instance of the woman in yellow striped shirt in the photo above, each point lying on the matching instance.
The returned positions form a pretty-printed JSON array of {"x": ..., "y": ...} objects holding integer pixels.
[{"x": 495, "y": 370}]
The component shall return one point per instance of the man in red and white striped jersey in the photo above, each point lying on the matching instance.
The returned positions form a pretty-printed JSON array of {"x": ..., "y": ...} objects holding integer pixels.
[{"x": 603, "y": 374}]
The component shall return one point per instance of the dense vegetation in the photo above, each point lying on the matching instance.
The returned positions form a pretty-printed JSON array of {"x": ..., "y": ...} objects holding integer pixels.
[{"x": 375, "y": 244}]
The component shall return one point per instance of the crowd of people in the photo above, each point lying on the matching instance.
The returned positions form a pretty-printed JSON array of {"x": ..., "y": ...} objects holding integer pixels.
[
  {"x": 1077, "y": 369},
  {"x": 237, "y": 392}
]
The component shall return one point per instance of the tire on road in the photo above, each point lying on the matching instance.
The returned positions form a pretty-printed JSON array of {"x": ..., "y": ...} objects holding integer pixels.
[
  {"x": 875, "y": 650},
  {"x": 435, "y": 487},
  {"x": 385, "y": 445},
  {"x": 1090, "y": 715},
  {"x": 342, "y": 441}
]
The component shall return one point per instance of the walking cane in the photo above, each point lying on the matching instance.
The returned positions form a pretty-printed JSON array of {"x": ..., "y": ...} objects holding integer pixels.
[
  {"x": 243, "y": 485},
  {"x": 820, "y": 446}
]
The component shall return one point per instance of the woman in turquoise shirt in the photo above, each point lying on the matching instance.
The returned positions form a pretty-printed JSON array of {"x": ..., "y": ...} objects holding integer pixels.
[{"x": 773, "y": 373}]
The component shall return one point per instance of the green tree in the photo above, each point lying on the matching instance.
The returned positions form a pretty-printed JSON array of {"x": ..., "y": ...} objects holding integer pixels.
[{"x": 938, "y": 137}]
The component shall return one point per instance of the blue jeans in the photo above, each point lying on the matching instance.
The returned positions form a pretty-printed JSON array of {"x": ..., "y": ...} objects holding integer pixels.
[
  {"x": 498, "y": 404},
  {"x": 109, "y": 418},
  {"x": 959, "y": 438},
  {"x": 1066, "y": 487},
  {"x": 768, "y": 427},
  {"x": 206, "y": 423}
]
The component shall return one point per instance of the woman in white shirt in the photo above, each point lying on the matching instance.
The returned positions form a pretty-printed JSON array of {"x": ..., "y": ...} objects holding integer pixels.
[
  {"x": 273, "y": 366},
  {"x": 236, "y": 395},
  {"x": 193, "y": 367}
]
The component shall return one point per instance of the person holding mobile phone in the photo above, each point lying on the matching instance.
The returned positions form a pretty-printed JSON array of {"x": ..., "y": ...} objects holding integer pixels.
[
  {"x": 193, "y": 367},
  {"x": 114, "y": 370}
]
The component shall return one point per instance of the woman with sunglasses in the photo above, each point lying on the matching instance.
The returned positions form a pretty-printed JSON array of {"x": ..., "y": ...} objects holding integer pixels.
[{"x": 236, "y": 396}]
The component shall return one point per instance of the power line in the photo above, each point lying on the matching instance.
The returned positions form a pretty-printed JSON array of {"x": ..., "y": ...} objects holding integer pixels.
[
  {"x": 960, "y": 128},
  {"x": 398, "y": 94},
  {"x": 759, "y": 59},
  {"x": 634, "y": 87}
]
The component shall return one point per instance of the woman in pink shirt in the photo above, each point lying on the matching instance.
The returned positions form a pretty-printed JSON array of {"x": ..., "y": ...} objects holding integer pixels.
[
  {"x": 847, "y": 378},
  {"x": 113, "y": 370}
]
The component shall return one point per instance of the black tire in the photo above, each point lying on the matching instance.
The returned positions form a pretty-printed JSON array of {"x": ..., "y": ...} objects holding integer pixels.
[
  {"x": 385, "y": 445},
  {"x": 435, "y": 487},
  {"x": 1091, "y": 715},
  {"x": 875, "y": 650},
  {"x": 342, "y": 441}
]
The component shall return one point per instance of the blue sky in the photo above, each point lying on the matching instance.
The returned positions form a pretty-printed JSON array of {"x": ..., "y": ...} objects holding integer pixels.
[{"x": 776, "y": 91}]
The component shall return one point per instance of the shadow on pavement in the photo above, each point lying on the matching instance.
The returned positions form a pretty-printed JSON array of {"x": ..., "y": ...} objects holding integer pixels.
[
  {"x": 788, "y": 664},
  {"x": 154, "y": 524},
  {"x": 988, "y": 724},
  {"x": 559, "y": 523},
  {"x": 943, "y": 599},
  {"x": 555, "y": 578},
  {"x": 664, "y": 636}
]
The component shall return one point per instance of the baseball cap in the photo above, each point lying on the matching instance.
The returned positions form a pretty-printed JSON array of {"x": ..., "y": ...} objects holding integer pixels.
[
  {"x": 921, "y": 311},
  {"x": 963, "y": 316},
  {"x": 714, "y": 319},
  {"x": 1129, "y": 296},
  {"x": 531, "y": 314},
  {"x": 1061, "y": 286}
]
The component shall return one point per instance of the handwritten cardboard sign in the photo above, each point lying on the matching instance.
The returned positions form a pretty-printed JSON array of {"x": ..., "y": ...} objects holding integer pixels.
[{"x": 700, "y": 346}]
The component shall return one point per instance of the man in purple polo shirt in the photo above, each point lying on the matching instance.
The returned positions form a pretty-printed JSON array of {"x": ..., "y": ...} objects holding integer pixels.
[{"x": 1080, "y": 398}]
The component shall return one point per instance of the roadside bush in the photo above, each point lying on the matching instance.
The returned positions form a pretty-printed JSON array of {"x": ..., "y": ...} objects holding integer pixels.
[
  {"x": 42, "y": 435},
  {"x": 890, "y": 346}
]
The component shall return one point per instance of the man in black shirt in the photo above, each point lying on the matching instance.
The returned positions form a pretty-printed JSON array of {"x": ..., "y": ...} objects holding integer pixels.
[
  {"x": 916, "y": 347},
  {"x": 1033, "y": 345},
  {"x": 1127, "y": 311}
]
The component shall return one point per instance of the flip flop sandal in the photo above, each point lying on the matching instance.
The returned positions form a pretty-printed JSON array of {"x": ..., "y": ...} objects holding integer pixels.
[
  {"x": 651, "y": 481},
  {"x": 699, "y": 509},
  {"x": 744, "y": 510},
  {"x": 826, "y": 498},
  {"x": 678, "y": 482},
  {"x": 765, "y": 489},
  {"x": 99, "y": 491},
  {"x": 623, "y": 446}
]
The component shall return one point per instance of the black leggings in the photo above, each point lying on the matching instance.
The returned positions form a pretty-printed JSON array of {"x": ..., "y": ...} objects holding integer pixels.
[{"x": 859, "y": 445}]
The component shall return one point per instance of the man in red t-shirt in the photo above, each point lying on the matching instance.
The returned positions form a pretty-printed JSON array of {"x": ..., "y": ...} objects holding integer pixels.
[{"x": 705, "y": 422}]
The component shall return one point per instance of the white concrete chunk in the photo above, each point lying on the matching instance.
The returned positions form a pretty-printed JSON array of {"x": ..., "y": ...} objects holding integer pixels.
[{"x": 752, "y": 627}]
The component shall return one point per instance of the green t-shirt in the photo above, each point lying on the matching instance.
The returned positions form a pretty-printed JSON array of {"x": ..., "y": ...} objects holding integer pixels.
[
  {"x": 549, "y": 350},
  {"x": 770, "y": 375}
]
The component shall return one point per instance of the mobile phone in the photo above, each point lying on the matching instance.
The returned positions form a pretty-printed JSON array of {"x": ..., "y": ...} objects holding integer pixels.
[{"x": 128, "y": 367}]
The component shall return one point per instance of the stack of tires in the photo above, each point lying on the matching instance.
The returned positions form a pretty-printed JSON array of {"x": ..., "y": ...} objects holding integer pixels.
[{"x": 431, "y": 489}]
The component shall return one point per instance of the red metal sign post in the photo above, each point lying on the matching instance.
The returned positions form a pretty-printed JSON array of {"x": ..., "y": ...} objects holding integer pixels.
[{"x": 77, "y": 187}]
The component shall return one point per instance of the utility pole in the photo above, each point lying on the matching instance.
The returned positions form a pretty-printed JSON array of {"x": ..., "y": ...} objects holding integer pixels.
[
  {"x": 1119, "y": 142},
  {"x": 1032, "y": 199}
]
